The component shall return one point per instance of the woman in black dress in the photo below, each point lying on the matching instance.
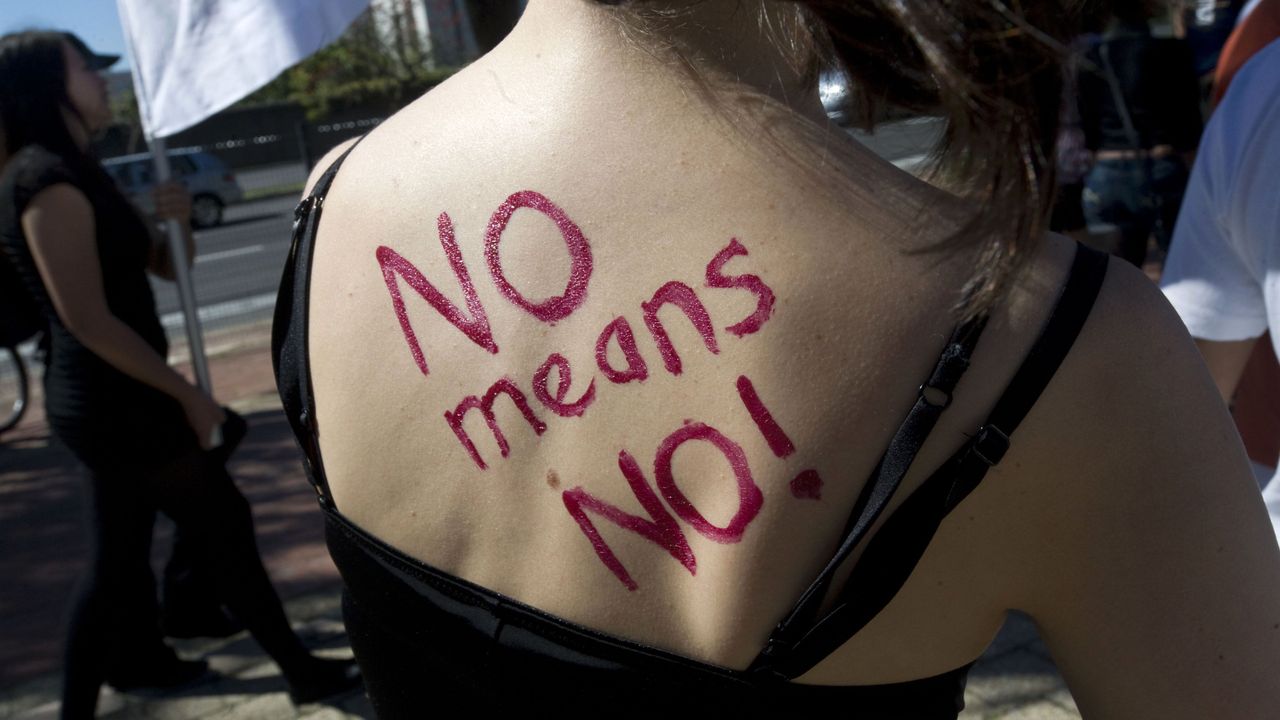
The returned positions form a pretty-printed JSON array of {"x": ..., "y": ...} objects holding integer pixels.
[{"x": 140, "y": 428}]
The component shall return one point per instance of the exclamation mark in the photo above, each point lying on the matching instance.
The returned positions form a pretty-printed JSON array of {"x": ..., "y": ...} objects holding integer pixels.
[{"x": 808, "y": 484}]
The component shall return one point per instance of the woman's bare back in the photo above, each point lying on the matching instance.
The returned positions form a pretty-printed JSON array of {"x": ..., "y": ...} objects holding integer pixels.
[{"x": 581, "y": 340}]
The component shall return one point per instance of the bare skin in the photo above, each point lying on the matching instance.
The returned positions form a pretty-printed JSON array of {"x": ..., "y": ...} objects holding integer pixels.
[
  {"x": 1124, "y": 519},
  {"x": 59, "y": 226},
  {"x": 1226, "y": 361}
]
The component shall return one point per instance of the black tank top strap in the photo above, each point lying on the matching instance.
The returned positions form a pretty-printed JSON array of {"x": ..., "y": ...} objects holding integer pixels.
[
  {"x": 289, "y": 329},
  {"x": 800, "y": 641}
]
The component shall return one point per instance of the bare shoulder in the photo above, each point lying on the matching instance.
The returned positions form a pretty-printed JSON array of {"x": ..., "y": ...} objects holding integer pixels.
[
  {"x": 58, "y": 198},
  {"x": 325, "y": 162},
  {"x": 1146, "y": 556},
  {"x": 58, "y": 220}
]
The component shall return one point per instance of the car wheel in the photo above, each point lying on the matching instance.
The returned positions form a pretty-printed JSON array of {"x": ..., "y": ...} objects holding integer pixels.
[{"x": 206, "y": 211}]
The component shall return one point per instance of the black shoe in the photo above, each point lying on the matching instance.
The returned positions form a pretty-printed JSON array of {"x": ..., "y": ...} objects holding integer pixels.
[
  {"x": 323, "y": 678},
  {"x": 210, "y": 624},
  {"x": 168, "y": 675}
]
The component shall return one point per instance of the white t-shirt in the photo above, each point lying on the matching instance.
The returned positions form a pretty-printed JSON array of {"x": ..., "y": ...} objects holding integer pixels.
[{"x": 1223, "y": 270}]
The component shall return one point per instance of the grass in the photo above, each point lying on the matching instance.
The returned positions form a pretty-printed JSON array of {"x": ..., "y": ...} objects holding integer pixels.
[{"x": 294, "y": 188}]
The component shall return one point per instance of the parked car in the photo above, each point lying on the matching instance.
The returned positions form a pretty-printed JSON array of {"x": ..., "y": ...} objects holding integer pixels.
[{"x": 211, "y": 183}]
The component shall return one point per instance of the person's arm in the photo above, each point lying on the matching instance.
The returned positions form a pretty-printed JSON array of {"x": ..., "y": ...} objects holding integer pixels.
[
  {"x": 1213, "y": 272},
  {"x": 172, "y": 202},
  {"x": 59, "y": 227},
  {"x": 1226, "y": 360},
  {"x": 1146, "y": 555}
]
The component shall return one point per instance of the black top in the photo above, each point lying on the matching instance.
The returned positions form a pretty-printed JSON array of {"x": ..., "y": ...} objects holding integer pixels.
[
  {"x": 1158, "y": 83},
  {"x": 420, "y": 633},
  {"x": 103, "y": 415}
]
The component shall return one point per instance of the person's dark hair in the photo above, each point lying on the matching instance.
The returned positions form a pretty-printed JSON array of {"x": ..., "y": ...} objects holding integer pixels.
[
  {"x": 996, "y": 77},
  {"x": 33, "y": 96},
  {"x": 1131, "y": 11},
  {"x": 991, "y": 70},
  {"x": 33, "y": 92}
]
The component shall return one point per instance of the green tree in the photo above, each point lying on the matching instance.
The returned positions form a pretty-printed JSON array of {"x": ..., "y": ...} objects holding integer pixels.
[
  {"x": 377, "y": 64},
  {"x": 127, "y": 119}
]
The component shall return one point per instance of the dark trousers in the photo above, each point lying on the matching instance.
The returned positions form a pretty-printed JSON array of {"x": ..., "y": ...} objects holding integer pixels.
[
  {"x": 115, "y": 600},
  {"x": 187, "y": 591},
  {"x": 1137, "y": 198}
]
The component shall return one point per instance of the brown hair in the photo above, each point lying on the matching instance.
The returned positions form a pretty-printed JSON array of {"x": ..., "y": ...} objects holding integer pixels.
[{"x": 995, "y": 76}]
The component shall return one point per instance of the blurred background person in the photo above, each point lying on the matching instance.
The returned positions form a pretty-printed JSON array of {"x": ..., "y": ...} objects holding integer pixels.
[
  {"x": 1220, "y": 282},
  {"x": 1140, "y": 112},
  {"x": 1256, "y": 403},
  {"x": 142, "y": 430},
  {"x": 1258, "y": 25}
]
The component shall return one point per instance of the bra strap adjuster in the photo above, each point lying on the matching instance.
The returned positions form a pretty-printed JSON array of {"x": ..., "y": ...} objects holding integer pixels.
[{"x": 990, "y": 444}]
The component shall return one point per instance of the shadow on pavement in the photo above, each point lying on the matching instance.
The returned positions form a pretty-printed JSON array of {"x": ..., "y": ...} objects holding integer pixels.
[{"x": 45, "y": 546}]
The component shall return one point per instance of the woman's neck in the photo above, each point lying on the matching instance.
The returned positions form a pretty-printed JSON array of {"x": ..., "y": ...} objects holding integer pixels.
[
  {"x": 724, "y": 42},
  {"x": 76, "y": 129}
]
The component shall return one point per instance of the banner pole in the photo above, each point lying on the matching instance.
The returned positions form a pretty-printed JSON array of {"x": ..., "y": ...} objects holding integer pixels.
[{"x": 182, "y": 272}]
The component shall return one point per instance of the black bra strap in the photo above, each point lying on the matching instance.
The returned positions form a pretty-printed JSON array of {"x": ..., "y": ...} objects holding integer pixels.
[
  {"x": 893, "y": 552},
  {"x": 289, "y": 329},
  {"x": 933, "y": 397}
]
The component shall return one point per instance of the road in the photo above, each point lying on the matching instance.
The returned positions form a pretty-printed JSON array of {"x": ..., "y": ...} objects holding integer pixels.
[
  {"x": 238, "y": 264},
  {"x": 237, "y": 267}
]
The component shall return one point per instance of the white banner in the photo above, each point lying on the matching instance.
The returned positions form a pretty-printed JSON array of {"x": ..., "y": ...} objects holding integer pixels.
[{"x": 192, "y": 58}]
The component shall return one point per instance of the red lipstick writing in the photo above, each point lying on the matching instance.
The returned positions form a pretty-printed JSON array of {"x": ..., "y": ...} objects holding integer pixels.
[
  {"x": 475, "y": 327},
  {"x": 659, "y": 528},
  {"x": 485, "y": 406},
  {"x": 806, "y": 485},
  {"x": 557, "y": 404},
  {"x": 717, "y": 279},
  {"x": 636, "y": 368},
  {"x": 683, "y": 297},
  {"x": 554, "y": 308},
  {"x": 750, "y": 499}
]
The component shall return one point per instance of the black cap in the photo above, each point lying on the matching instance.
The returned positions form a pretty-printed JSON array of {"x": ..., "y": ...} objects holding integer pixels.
[{"x": 92, "y": 59}]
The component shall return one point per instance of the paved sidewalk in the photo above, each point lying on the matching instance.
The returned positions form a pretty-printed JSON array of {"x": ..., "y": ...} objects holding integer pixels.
[{"x": 43, "y": 549}]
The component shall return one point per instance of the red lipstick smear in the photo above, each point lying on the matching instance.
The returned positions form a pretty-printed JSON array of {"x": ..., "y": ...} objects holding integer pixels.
[
  {"x": 764, "y": 296},
  {"x": 485, "y": 406},
  {"x": 557, "y": 404},
  {"x": 750, "y": 499},
  {"x": 779, "y": 443},
  {"x": 636, "y": 367},
  {"x": 660, "y": 528},
  {"x": 553, "y": 308},
  {"x": 806, "y": 485},
  {"x": 683, "y": 297},
  {"x": 476, "y": 327}
]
